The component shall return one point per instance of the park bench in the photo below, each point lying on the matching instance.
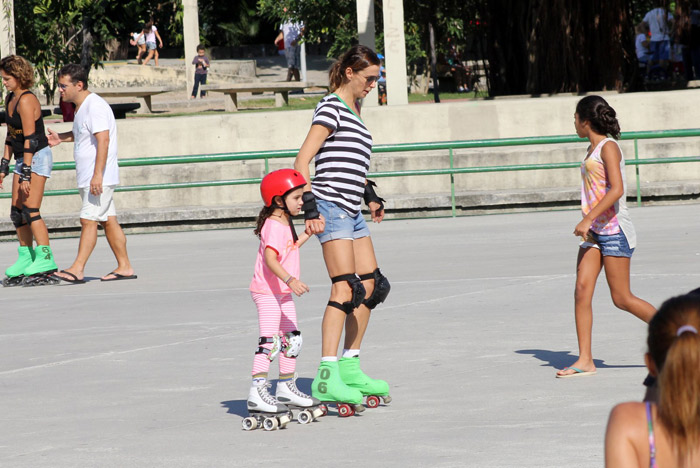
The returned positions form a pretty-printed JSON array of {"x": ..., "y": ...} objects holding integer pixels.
[
  {"x": 119, "y": 109},
  {"x": 143, "y": 94},
  {"x": 44, "y": 113},
  {"x": 281, "y": 91}
]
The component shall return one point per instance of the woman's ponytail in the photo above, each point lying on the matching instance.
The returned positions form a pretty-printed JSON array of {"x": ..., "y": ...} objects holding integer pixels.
[
  {"x": 679, "y": 396},
  {"x": 335, "y": 76},
  {"x": 674, "y": 346}
]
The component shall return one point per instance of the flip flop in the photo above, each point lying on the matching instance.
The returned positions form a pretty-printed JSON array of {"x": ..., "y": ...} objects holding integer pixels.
[
  {"x": 118, "y": 277},
  {"x": 73, "y": 279},
  {"x": 577, "y": 373}
]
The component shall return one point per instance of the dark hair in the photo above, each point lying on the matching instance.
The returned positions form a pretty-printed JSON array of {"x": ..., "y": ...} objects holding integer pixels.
[
  {"x": 358, "y": 57},
  {"x": 677, "y": 360},
  {"x": 147, "y": 27},
  {"x": 267, "y": 211},
  {"x": 262, "y": 217},
  {"x": 596, "y": 111},
  {"x": 20, "y": 69},
  {"x": 76, "y": 74},
  {"x": 201, "y": 47}
]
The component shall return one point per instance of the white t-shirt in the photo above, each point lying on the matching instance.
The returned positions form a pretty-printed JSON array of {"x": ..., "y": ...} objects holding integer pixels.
[
  {"x": 291, "y": 32},
  {"x": 657, "y": 25},
  {"x": 151, "y": 35},
  {"x": 642, "y": 50},
  {"x": 94, "y": 116}
]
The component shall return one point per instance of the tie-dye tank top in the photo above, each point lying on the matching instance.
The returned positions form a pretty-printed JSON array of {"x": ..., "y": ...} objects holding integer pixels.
[{"x": 594, "y": 186}]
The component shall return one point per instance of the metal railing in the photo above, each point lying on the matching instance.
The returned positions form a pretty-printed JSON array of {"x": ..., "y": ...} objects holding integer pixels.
[{"x": 450, "y": 146}]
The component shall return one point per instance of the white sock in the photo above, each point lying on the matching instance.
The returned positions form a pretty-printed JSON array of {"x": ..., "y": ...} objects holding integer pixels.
[
  {"x": 329, "y": 358},
  {"x": 350, "y": 353},
  {"x": 259, "y": 381}
]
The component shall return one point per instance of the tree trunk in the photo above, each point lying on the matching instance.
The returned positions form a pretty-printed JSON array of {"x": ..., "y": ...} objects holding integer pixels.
[
  {"x": 553, "y": 46},
  {"x": 86, "y": 52}
]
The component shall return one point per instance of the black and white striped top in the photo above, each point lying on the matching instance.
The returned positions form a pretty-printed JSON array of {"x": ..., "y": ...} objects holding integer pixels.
[{"x": 342, "y": 162}]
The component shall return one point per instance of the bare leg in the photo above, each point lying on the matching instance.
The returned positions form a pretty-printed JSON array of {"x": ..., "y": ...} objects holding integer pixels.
[
  {"x": 24, "y": 233},
  {"x": 36, "y": 195},
  {"x": 117, "y": 242},
  {"x": 148, "y": 57},
  {"x": 356, "y": 323},
  {"x": 339, "y": 257},
  {"x": 617, "y": 272},
  {"x": 88, "y": 239},
  {"x": 588, "y": 266}
]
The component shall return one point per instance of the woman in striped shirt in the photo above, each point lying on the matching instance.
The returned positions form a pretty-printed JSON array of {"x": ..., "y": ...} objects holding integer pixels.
[{"x": 340, "y": 145}]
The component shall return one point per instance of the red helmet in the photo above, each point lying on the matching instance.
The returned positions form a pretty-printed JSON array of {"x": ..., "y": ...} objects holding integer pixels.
[{"x": 279, "y": 183}]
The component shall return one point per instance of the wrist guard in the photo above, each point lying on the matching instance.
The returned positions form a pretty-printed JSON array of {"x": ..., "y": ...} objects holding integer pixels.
[
  {"x": 4, "y": 166},
  {"x": 26, "y": 174},
  {"x": 309, "y": 206},
  {"x": 371, "y": 196}
]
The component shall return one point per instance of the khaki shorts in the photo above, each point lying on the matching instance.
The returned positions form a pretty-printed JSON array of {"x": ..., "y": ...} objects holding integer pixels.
[{"x": 98, "y": 207}]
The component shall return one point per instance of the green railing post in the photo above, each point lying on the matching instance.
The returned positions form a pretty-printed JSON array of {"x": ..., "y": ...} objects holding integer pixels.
[
  {"x": 636, "y": 170},
  {"x": 267, "y": 165},
  {"x": 452, "y": 184}
]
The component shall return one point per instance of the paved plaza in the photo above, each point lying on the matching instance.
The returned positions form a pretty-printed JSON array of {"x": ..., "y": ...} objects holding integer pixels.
[{"x": 155, "y": 372}]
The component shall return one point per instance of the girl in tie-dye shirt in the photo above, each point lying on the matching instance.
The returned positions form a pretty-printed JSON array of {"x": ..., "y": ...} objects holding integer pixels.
[{"x": 608, "y": 237}]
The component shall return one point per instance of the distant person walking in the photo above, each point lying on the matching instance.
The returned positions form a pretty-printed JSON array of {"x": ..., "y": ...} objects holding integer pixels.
[
  {"x": 95, "y": 152},
  {"x": 607, "y": 232},
  {"x": 151, "y": 33},
  {"x": 290, "y": 34}
]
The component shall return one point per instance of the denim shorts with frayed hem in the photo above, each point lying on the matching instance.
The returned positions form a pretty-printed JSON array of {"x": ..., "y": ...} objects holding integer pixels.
[
  {"x": 614, "y": 245},
  {"x": 339, "y": 224}
]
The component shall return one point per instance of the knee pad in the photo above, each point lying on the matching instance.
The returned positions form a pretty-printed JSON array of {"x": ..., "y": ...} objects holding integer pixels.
[
  {"x": 292, "y": 343},
  {"x": 272, "y": 352},
  {"x": 358, "y": 293},
  {"x": 381, "y": 289},
  {"x": 16, "y": 217},
  {"x": 27, "y": 214}
]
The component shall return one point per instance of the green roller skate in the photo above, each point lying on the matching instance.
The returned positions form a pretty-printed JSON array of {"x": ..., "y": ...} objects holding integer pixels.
[
  {"x": 329, "y": 388},
  {"x": 40, "y": 272},
  {"x": 353, "y": 377},
  {"x": 15, "y": 273}
]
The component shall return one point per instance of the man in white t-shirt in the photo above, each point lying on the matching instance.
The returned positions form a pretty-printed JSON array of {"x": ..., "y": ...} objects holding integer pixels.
[
  {"x": 660, "y": 23},
  {"x": 95, "y": 136},
  {"x": 290, "y": 33}
]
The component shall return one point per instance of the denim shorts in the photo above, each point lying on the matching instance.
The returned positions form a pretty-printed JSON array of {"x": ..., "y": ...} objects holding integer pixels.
[
  {"x": 151, "y": 45},
  {"x": 42, "y": 163},
  {"x": 614, "y": 245},
  {"x": 339, "y": 224},
  {"x": 660, "y": 50}
]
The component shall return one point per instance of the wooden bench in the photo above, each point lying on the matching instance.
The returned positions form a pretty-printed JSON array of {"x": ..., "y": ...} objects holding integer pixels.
[
  {"x": 44, "y": 113},
  {"x": 143, "y": 94},
  {"x": 119, "y": 109},
  {"x": 281, "y": 91}
]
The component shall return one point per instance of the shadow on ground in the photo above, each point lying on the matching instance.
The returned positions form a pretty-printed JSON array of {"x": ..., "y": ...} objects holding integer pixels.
[{"x": 561, "y": 359}]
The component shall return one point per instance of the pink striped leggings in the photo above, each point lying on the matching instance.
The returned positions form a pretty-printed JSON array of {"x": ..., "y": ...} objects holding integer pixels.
[{"x": 276, "y": 316}]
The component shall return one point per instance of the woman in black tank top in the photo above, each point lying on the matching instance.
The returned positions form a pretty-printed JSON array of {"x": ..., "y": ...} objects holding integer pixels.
[{"x": 26, "y": 140}]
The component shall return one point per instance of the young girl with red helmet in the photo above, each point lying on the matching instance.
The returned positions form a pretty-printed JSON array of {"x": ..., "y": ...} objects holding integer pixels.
[{"x": 276, "y": 277}]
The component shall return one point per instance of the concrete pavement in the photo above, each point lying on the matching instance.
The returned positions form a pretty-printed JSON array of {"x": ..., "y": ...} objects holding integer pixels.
[{"x": 155, "y": 372}]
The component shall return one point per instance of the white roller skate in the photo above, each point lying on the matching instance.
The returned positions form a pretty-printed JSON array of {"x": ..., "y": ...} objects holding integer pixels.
[
  {"x": 264, "y": 410},
  {"x": 290, "y": 395}
]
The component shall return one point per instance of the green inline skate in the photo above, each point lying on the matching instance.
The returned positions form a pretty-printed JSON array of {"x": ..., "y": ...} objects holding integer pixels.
[
  {"x": 15, "y": 273},
  {"x": 40, "y": 272},
  {"x": 353, "y": 377},
  {"x": 329, "y": 388}
]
